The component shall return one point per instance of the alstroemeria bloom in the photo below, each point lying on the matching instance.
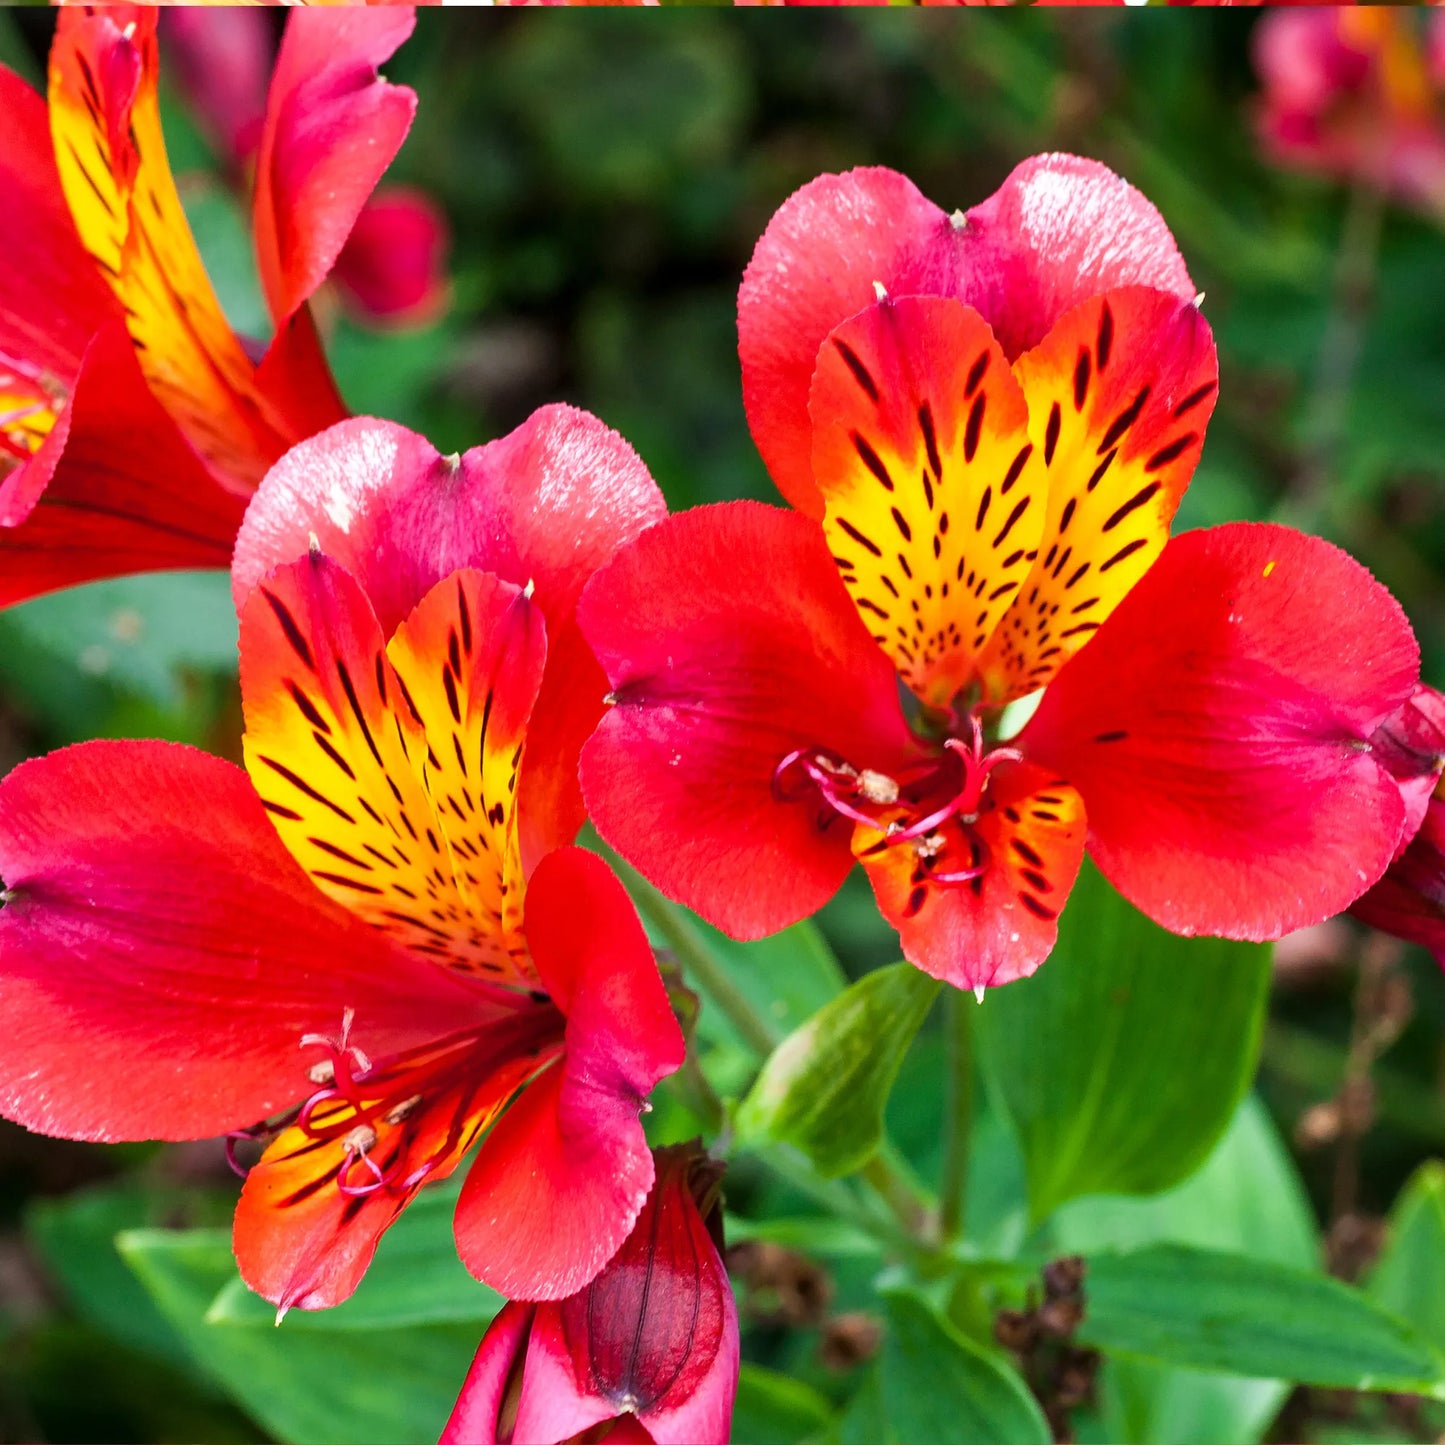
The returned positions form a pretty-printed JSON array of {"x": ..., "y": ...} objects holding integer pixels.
[
  {"x": 392, "y": 269},
  {"x": 134, "y": 423},
  {"x": 1349, "y": 93},
  {"x": 1409, "y": 901},
  {"x": 647, "y": 1354},
  {"x": 349, "y": 941},
  {"x": 988, "y": 461}
]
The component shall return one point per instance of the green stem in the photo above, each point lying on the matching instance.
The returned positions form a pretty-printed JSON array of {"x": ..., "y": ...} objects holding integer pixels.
[
  {"x": 698, "y": 960},
  {"x": 884, "y": 1174},
  {"x": 958, "y": 1112}
]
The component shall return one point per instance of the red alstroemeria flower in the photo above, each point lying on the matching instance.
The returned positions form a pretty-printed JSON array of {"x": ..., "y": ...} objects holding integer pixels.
[
  {"x": 1349, "y": 93},
  {"x": 352, "y": 942},
  {"x": 648, "y": 1351},
  {"x": 1409, "y": 901},
  {"x": 392, "y": 268},
  {"x": 993, "y": 485},
  {"x": 133, "y": 422}
]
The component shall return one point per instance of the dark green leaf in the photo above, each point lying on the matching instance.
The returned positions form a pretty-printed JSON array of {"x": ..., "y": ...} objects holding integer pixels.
[
  {"x": 1122, "y": 1060},
  {"x": 1225, "y": 1312},
  {"x": 1247, "y": 1198},
  {"x": 825, "y": 1087},
  {"x": 303, "y": 1384},
  {"x": 1409, "y": 1279},
  {"x": 939, "y": 1387},
  {"x": 772, "y": 1409},
  {"x": 75, "y": 1236}
]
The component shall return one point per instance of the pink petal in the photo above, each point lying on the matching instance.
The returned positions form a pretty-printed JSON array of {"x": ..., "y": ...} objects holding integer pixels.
[
  {"x": 474, "y": 1419},
  {"x": 393, "y": 267},
  {"x": 560, "y": 1179},
  {"x": 161, "y": 955},
  {"x": 332, "y": 127},
  {"x": 1411, "y": 744},
  {"x": 548, "y": 504},
  {"x": 1218, "y": 729},
  {"x": 730, "y": 642},
  {"x": 1058, "y": 231},
  {"x": 220, "y": 59}
]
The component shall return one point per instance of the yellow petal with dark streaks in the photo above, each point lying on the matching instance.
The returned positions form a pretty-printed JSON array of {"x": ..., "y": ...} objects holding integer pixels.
[
  {"x": 934, "y": 492},
  {"x": 105, "y": 123},
  {"x": 1119, "y": 394},
  {"x": 360, "y": 788}
]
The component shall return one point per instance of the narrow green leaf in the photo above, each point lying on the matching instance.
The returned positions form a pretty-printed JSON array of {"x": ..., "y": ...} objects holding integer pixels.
[
  {"x": 939, "y": 1387},
  {"x": 1247, "y": 1198},
  {"x": 1215, "y": 1311},
  {"x": 787, "y": 978},
  {"x": 303, "y": 1385},
  {"x": 825, "y": 1087},
  {"x": 1122, "y": 1060},
  {"x": 772, "y": 1409},
  {"x": 1409, "y": 1279}
]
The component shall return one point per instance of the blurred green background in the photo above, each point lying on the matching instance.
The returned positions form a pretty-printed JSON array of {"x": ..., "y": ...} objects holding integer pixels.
[{"x": 606, "y": 176}]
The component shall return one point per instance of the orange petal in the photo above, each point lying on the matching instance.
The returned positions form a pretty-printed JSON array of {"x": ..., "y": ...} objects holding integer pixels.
[
  {"x": 1119, "y": 394},
  {"x": 105, "y": 122},
  {"x": 933, "y": 490},
  {"x": 409, "y": 824},
  {"x": 300, "y": 1239},
  {"x": 1028, "y": 840}
]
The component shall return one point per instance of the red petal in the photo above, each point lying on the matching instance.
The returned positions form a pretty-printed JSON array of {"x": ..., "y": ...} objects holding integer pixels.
[
  {"x": 730, "y": 642},
  {"x": 548, "y": 504},
  {"x": 475, "y": 1417},
  {"x": 1057, "y": 231},
  {"x": 1409, "y": 901},
  {"x": 393, "y": 267},
  {"x": 560, "y": 1180},
  {"x": 332, "y": 127},
  {"x": 52, "y": 298},
  {"x": 113, "y": 489},
  {"x": 1218, "y": 729},
  {"x": 1411, "y": 744},
  {"x": 1000, "y": 925},
  {"x": 161, "y": 954}
]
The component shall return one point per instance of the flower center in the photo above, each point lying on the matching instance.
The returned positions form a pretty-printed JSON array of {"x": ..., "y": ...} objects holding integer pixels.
[
  {"x": 29, "y": 404},
  {"x": 361, "y": 1104},
  {"x": 909, "y": 808}
]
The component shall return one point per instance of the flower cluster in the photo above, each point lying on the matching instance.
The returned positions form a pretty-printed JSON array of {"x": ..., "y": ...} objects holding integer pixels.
[{"x": 967, "y": 651}]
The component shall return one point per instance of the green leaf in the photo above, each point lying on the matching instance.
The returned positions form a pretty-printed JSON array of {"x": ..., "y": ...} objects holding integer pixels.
[
  {"x": 787, "y": 978},
  {"x": 1409, "y": 1279},
  {"x": 939, "y": 1387},
  {"x": 1122, "y": 1060},
  {"x": 1247, "y": 1198},
  {"x": 138, "y": 632},
  {"x": 415, "y": 1279},
  {"x": 825, "y": 1087},
  {"x": 772, "y": 1409},
  {"x": 1225, "y": 1312},
  {"x": 303, "y": 1384},
  {"x": 75, "y": 1236}
]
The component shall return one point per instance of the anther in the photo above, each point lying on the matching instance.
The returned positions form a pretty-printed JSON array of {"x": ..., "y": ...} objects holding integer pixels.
[
  {"x": 876, "y": 787},
  {"x": 403, "y": 1110},
  {"x": 359, "y": 1139}
]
